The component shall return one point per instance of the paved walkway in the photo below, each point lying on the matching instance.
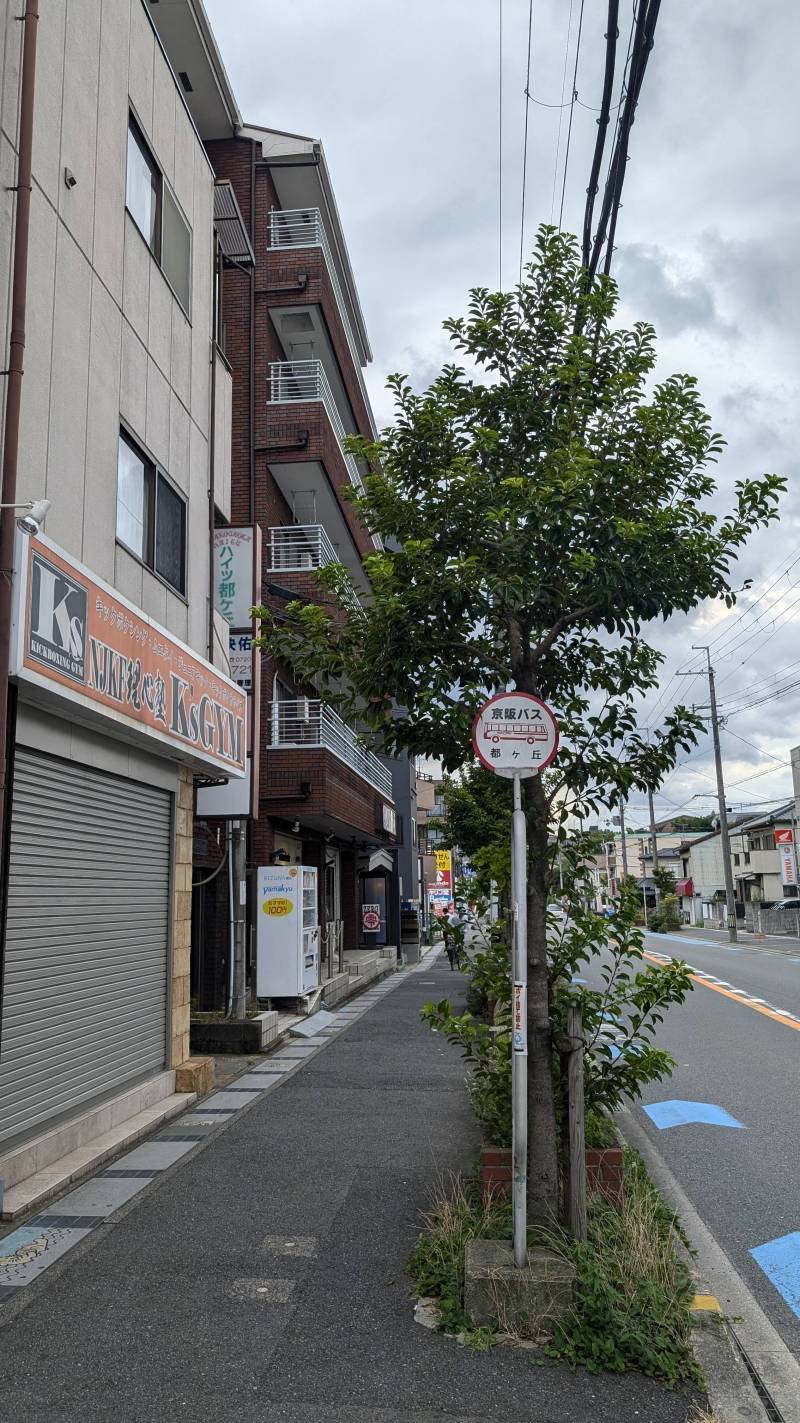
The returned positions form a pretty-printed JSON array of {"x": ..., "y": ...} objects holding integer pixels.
[{"x": 262, "y": 1275}]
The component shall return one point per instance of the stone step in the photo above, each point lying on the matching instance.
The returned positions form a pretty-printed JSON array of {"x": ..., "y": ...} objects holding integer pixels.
[{"x": 94, "y": 1138}]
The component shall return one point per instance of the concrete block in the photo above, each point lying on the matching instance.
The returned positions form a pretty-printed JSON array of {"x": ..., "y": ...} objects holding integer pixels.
[
  {"x": 180, "y": 1019},
  {"x": 494, "y": 1290},
  {"x": 182, "y": 932},
  {"x": 196, "y": 1075},
  {"x": 180, "y": 991},
  {"x": 185, "y": 792}
]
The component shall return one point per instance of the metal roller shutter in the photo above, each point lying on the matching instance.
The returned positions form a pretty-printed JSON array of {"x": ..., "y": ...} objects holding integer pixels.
[{"x": 85, "y": 984}]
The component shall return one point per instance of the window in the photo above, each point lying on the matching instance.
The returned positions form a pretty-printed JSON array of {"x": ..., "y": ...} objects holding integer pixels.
[
  {"x": 176, "y": 251},
  {"x": 157, "y": 215},
  {"x": 151, "y": 515},
  {"x": 143, "y": 189},
  {"x": 736, "y": 859}
]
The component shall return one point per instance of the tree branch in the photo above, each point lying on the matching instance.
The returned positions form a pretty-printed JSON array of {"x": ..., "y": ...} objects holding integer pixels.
[{"x": 537, "y": 653}]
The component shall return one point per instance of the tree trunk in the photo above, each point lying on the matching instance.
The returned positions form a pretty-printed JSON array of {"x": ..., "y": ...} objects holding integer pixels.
[{"x": 542, "y": 1140}]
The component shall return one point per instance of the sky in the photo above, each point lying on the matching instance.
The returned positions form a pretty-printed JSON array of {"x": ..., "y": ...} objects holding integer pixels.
[{"x": 405, "y": 95}]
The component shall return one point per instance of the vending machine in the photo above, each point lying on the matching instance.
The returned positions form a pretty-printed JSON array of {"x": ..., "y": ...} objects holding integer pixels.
[{"x": 287, "y": 939}]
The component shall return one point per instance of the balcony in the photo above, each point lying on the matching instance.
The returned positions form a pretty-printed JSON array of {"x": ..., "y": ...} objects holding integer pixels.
[
  {"x": 307, "y": 725},
  {"x": 305, "y": 383},
  {"x": 296, "y": 228},
  {"x": 304, "y": 549}
]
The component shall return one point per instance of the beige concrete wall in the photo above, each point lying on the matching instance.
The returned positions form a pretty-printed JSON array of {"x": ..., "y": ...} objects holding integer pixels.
[
  {"x": 182, "y": 919},
  {"x": 106, "y": 337}
]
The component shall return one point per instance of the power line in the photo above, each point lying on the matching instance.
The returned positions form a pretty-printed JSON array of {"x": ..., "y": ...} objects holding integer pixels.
[
  {"x": 525, "y": 141},
  {"x": 759, "y": 749},
  {"x": 561, "y": 113},
  {"x": 602, "y": 126},
  {"x": 500, "y": 145},
  {"x": 724, "y": 637},
  {"x": 571, "y": 114}
]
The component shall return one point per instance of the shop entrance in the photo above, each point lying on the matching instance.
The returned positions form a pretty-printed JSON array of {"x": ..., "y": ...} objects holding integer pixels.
[{"x": 333, "y": 937}]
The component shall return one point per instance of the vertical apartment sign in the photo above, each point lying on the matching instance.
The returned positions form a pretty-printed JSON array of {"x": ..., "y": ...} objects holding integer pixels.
[{"x": 237, "y": 589}]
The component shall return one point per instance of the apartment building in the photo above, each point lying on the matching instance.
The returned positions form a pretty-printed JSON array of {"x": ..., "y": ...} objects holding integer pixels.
[
  {"x": 119, "y": 662},
  {"x": 293, "y": 334}
]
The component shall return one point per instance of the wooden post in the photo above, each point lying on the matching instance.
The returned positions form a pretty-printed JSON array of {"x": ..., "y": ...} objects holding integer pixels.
[{"x": 576, "y": 1196}]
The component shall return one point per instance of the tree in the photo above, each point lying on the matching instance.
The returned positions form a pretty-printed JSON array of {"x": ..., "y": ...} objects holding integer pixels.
[
  {"x": 664, "y": 879},
  {"x": 688, "y": 824},
  {"x": 538, "y": 510},
  {"x": 478, "y": 820}
]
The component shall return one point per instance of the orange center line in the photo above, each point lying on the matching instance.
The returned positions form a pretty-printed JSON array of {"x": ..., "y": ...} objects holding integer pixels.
[{"x": 737, "y": 997}]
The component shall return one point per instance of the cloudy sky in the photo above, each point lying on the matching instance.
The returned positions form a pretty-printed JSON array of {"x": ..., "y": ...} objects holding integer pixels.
[{"x": 405, "y": 96}]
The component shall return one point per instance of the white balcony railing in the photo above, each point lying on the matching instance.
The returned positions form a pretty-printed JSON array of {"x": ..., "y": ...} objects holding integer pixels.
[
  {"x": 304, "y": 227},
  {"x": 307, "y": 724},
  {"x": 301, "y": 382},
  {"x": 303, "y": 548}
]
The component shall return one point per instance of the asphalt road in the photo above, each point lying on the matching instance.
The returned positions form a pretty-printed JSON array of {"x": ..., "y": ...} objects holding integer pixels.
[{"x": 736, "y": 1056}]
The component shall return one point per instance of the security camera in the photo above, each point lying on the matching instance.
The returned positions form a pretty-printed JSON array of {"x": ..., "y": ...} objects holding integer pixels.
[{"x": 31, "y": 521}]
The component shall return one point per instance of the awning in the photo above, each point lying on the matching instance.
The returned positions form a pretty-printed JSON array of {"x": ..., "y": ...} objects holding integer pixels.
[{"x": 229, "y": 223}]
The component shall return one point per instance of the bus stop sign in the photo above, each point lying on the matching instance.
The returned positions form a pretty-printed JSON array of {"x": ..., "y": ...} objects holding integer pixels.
[{"x": 515, "y": 734}]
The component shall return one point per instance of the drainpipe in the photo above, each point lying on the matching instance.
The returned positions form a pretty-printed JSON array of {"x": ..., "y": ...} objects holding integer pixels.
[
  {"x": 252, "y": 338},
  {"x": 8, "y": 486},
  {"x": 212, "y": 465}
]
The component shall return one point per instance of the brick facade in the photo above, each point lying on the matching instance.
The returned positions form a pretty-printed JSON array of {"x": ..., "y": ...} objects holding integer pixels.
[{"x": 311, "y": 786}]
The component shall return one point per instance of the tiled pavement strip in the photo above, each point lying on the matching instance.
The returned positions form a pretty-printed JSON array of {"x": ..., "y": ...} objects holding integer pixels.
[{"x": 30, "y": 1249}]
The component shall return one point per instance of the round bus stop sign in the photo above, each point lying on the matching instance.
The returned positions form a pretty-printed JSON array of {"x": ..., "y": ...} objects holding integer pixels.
[{"x": 515, "y": 734}]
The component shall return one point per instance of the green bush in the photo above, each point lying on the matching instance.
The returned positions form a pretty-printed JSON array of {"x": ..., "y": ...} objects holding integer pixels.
[{"x": 632, "y": 1292}]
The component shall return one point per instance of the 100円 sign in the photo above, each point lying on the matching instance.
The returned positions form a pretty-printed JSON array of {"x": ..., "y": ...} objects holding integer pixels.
[{"x": 515, "y": 734}]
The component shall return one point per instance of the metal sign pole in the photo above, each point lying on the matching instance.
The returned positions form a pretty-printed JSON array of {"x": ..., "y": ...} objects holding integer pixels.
[
  {"x": 516, "y": 735},
  {"x": 519, "y": 1054}
]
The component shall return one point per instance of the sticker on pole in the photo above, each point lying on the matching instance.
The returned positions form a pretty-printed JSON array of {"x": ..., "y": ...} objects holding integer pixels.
[
  {"x": 515, "y": 734},
  {"x": 519, "y": 1038}
]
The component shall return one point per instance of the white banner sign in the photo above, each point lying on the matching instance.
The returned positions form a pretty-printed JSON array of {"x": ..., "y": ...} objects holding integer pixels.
[
  {"x": 233, "y": 575},
  {"x": 240, "y": 652}
]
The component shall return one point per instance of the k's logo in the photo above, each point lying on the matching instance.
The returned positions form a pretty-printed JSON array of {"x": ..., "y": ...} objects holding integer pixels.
[{"x": 57, "y": 619}]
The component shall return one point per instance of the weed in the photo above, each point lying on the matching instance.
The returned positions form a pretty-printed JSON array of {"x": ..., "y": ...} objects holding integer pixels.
[
  {"x": 458, "y": 1213},
  {"x": 632, "y": 1293}
]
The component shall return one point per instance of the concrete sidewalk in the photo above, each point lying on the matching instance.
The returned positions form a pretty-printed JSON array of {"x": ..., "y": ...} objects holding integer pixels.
[{"x": 263, "y": 1276}]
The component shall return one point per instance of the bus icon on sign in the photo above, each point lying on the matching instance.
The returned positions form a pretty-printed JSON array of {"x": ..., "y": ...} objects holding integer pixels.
[{"x": 495, "y": 731}]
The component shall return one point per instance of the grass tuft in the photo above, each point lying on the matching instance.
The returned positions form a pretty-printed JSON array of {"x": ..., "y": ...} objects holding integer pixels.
[{"x": 632, "y": 1293}]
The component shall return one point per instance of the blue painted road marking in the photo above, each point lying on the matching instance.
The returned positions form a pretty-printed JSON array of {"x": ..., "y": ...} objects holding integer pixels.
[
  {"x": 780, "y": 1261},
  {"x": 676, "y": 1113},
  {"x": 684, "y": 939}
]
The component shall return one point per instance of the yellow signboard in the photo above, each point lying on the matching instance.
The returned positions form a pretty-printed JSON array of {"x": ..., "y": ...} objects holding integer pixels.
[{"x": 276, "y": 908}]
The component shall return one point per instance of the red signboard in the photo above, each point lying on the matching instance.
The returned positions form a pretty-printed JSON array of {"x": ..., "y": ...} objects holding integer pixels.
[{"x": 78, "y": 638}]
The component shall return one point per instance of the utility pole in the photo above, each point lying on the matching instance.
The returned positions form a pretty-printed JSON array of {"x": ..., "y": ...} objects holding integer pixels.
[
  {"x": 655, "y": 843},
  {"x": 624, "y": 841},
  {"x": 239, "y": 891},
  {"x": 730, "y": 896},
  {"x": 644, "y": 880}
]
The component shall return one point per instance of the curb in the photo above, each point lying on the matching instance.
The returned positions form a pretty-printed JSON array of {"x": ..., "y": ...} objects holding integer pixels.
[
  {"x": 732, "y": 1395},
  {"x": 750, "y": 1372}
]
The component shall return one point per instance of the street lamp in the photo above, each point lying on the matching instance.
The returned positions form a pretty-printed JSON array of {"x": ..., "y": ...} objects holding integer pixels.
[{"x": 35, "y": 515}]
